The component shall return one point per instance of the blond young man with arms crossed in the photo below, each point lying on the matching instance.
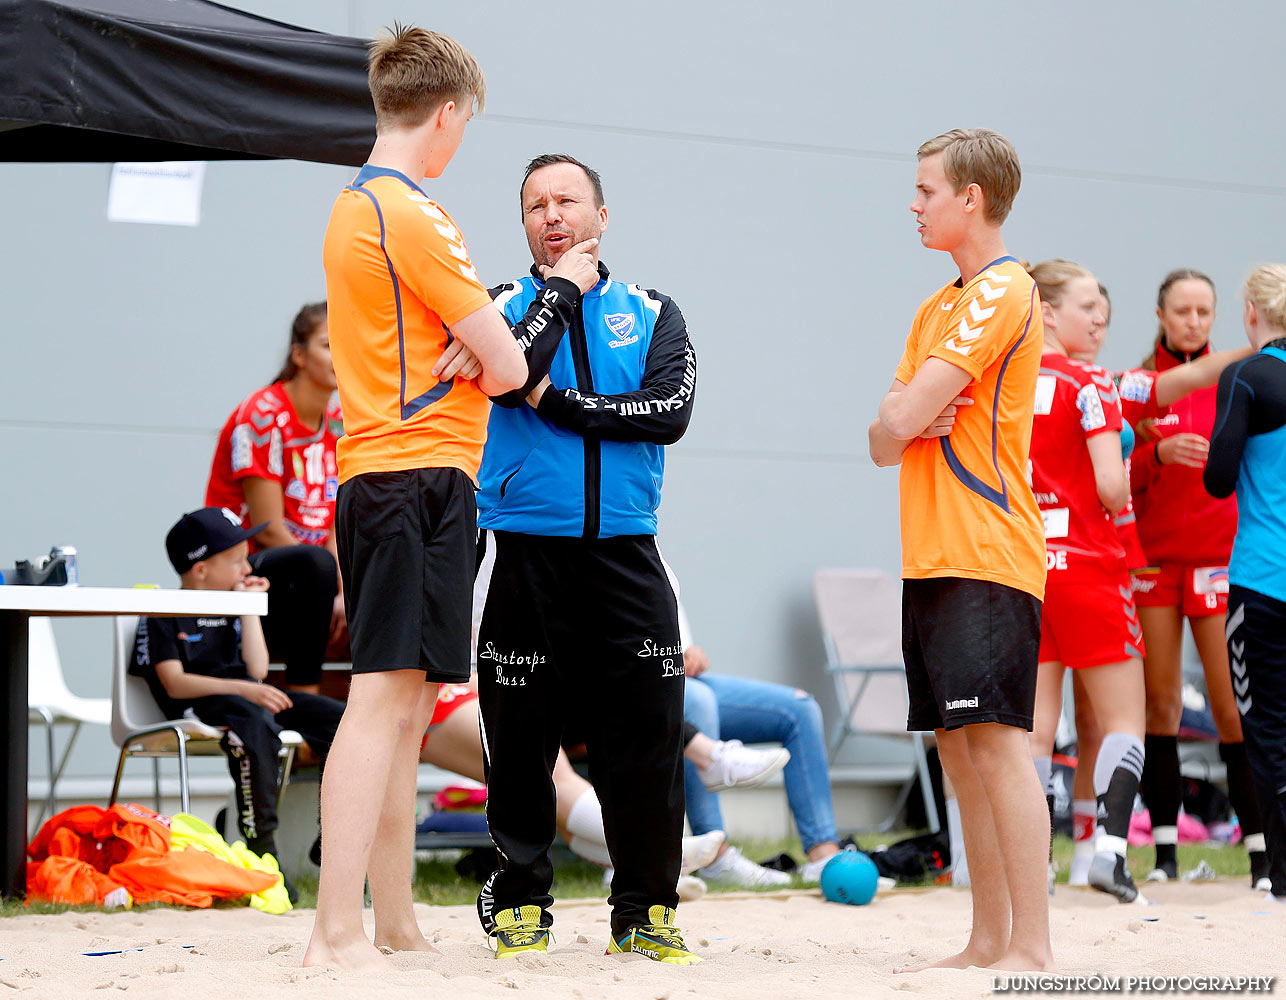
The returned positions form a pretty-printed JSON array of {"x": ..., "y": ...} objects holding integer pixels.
[
  {"x": 958, "y": 420},
  {"x": 417, "y": 350}
]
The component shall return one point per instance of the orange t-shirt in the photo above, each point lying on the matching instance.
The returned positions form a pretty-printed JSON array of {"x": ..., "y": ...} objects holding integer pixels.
[
  {"x": 967, "y": 504},
  {"x": 398, "y": 275}
]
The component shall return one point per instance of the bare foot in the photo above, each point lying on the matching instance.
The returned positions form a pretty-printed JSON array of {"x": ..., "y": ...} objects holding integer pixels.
[
  {"x": 1016, "y": 960},
  {"x": 413, "y": 941},
  {"x": 351, "y": 956},
  {"x": 961, "y": 960}
]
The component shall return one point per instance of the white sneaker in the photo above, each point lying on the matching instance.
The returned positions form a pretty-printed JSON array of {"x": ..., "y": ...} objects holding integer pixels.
[
  {"x": 736, "y": 765},
  {"x": 700, "y": 851},
  {"x": 1264, "y": 884},
  {"x": 810, "y": 872},
  {"x": 734, "y": 868}
]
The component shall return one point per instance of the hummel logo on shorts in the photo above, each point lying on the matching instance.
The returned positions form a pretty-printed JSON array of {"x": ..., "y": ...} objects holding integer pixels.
[{"x": 962, "y": 703}]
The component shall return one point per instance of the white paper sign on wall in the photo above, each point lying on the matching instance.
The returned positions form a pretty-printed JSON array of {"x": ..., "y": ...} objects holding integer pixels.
[{"x": 164, "y": 193}]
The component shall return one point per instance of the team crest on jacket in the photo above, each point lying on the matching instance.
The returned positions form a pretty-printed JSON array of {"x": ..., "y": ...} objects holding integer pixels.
[{"x": 621, "y": 324}]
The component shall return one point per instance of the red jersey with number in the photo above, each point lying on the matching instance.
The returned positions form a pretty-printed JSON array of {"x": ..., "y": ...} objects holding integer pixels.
[
  {"x": 1179, "y": 522},
  {"x": 1075, "y": 401},
  {"x": 264, "y": 437}
]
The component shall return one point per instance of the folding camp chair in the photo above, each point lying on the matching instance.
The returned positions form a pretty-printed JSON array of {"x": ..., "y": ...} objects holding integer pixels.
[
  {"x": 860, "y": 611},
  {"x": 140, "y": 728}
]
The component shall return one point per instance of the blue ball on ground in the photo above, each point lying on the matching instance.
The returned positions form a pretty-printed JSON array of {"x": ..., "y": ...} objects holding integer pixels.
[{"x": 850, "y": 877}]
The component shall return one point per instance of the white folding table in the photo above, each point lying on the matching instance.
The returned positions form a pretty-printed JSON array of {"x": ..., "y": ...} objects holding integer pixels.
[{"x": 17, "y": 604}]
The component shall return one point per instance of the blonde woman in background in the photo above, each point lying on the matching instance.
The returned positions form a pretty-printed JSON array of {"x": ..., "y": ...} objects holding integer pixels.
[{"x": 1248, "y": 453}]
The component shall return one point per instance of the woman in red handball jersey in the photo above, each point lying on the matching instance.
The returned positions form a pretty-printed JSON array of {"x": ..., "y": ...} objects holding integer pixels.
[
  {"x": 1187, "y": 536},
  {"x": 1088, "y": 622},
  {"x": 1142, "y": 392},
  {"x": 275, "y": 465}
]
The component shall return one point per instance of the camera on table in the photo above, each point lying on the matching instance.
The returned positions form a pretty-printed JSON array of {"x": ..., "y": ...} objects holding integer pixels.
[{"x": 58, "y": 569}]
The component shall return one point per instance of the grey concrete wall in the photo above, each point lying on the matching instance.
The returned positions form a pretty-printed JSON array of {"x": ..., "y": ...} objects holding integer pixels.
[{"x": 758, "y": 160}]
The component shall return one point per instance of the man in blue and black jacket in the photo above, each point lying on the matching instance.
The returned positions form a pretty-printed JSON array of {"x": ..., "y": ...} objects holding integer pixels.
[{"x": 581, "y": 621}]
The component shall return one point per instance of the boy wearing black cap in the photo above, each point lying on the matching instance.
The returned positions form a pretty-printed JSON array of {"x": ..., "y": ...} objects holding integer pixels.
[{"x": 215, "y": 666}]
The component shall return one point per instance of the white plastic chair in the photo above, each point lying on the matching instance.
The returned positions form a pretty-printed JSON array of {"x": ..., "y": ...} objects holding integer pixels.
[
  {"x": 860, "y": 611},
  {"x": 140, "y": 728},
  {"x": 51, "y": 703}
]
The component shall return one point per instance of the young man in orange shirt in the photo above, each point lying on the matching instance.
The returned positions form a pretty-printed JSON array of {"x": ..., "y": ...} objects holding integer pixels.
[
  {"x": 417, "y": 349},
  {"x": 958, "y": 419}
]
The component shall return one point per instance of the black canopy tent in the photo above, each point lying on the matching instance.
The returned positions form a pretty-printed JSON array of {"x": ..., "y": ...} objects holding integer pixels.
[{"x": 109, "y": 80}]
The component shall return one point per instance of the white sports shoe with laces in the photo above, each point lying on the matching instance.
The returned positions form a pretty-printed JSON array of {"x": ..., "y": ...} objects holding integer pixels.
[
  {"x": 734, "y": 868},
  {"x": 736, "y": 765},
  {"x": 810, "y": 872}
]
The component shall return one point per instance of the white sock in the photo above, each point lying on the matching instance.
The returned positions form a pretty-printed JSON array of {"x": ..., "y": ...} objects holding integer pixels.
[
  {"x": 590, "y": 851},
  {"x": 1116, "y": 782},
  {"x": 955, "y": 833},
  {"x": 585, "y": 824},
  {"x": 1084, "y": 812},
  {"x": 586, "y": 818}
]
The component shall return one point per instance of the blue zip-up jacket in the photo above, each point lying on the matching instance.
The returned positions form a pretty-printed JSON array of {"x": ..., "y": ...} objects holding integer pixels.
[
  {"x": 1248, "y": 453},
  {"x": 589, "y": 462}
]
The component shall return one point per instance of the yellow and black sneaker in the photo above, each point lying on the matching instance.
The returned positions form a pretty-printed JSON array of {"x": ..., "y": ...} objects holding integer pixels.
[
  {"x": 660, "y": 940},
  {"x": 518, "y": 930}
]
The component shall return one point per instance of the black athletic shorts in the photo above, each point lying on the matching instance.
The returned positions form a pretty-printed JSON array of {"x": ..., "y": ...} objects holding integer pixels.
[
  {"x": 407, "y": 543},
  {"x": 971, "y": 648}
]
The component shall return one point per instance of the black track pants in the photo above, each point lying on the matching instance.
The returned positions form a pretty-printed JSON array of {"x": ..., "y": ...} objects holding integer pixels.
[
  {"x": 252, "y": 745},
  {"x": 1256, "y": 632},
  {"x": 585, "y": 632}
]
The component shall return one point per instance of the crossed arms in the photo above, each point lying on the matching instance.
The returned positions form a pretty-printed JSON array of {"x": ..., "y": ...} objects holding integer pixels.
[{"x": 926, "y": 407}]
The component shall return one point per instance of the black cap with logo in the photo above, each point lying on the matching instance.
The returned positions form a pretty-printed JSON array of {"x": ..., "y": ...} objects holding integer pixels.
[{"x": 204, "y": 533}]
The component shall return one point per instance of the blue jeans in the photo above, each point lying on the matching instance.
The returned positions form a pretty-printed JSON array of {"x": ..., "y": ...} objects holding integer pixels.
[{"x": 736, "y": 708}]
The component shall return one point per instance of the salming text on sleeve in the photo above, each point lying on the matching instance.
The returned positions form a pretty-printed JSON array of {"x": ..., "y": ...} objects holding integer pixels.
[
  {"x": 658, "y": 411},
  {"x": 589, "y": 464}
]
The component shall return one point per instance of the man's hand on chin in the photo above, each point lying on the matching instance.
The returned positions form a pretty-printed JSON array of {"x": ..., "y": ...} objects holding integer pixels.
[{"x": 577, "y": 265}]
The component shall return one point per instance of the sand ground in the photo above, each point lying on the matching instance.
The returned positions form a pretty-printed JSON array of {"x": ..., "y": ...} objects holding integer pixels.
[{"x": 776, "y": 947}]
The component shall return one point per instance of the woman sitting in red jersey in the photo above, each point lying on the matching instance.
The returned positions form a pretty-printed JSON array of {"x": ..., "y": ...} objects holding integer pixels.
[
  {"x": 1088, "y": 622},
  {"x": 275, "y": 465}
]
